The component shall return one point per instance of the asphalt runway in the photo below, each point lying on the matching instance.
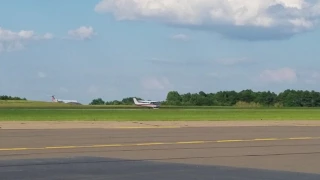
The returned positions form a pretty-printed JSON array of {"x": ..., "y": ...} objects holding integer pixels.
[{"x": 245, "y": 153}]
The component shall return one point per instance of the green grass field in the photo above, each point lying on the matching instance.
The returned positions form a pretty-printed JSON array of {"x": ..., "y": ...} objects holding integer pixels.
[
  {"x": 48, "y": 105},
  {"x": 41, "y": 111}
]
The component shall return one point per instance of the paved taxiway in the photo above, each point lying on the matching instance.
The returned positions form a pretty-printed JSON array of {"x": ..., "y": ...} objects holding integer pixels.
[{"x": 162, "y": 153}]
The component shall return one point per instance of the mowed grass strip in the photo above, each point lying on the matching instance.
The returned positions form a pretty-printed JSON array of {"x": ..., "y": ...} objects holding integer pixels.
[
  {"x": 157, "y": 114},
  {"x": 12, "y": 104}
]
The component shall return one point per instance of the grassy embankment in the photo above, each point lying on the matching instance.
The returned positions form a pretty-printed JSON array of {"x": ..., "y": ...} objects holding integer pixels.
[{"x": 41, "y": 111}]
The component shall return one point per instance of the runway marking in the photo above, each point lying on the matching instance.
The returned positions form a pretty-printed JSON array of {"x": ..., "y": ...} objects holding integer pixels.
[
  {"x": 192, "y": 142},
  {"x": 311, "y": 125},
  {"x": 268, "y": 139},
  {"x": 62, "y": 147},
  {"x": 146, "y": 127},
  {"x": 159, "y": 143},
  {"x": 235, "y": 140}
]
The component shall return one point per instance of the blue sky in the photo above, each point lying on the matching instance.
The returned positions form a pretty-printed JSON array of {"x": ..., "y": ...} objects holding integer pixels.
[{"x": 114, "y": 49}]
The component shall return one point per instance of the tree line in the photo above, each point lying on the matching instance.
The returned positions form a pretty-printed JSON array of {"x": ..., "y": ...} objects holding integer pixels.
[
  {"x": 287, "y": 98},
  {"x": 124, "y": 101},
  {"x": 5, "y": 97}
]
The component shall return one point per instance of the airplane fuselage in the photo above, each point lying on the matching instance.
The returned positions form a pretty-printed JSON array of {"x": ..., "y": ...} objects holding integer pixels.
[
  {"x": 149, "y": 104},
  {"x": 63, "y": 101}
]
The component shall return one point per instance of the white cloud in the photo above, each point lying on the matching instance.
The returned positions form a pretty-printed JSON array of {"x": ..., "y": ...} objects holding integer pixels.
[
  {"x": 13, "y": 41},
  {"x": 248, "y": 19},
  {"x": 279, "y": 75},
  {"x": 153, "y": 83},
  {"x": 182, "y": 37},
  {"x": 48, "y": 36},
  {"x": 82, "y": 33},
  {"x": 42, "y": 75}
]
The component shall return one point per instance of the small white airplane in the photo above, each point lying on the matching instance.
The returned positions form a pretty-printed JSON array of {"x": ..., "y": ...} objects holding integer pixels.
[
  {"x": 150, "y": 104},
  {"x": 63, "y": 101}
]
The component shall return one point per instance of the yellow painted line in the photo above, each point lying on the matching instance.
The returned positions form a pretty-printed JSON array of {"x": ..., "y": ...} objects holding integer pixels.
[
  {"x": 301, "y": 138},
  {"x": 19, "y": 149},
  {"x": 149, "y": 144},
  {"x": 307, "y": 125},
  {"x": 268, "y": 139},
  {"x": 146, "y": 127},
  {"x": 108, "y": 145},
  {"x": 234, "y": 140},
  {"x": 62, "y": 147},
  {"x": 194, "y": 142},
  {"x": 159, "y": 143}
]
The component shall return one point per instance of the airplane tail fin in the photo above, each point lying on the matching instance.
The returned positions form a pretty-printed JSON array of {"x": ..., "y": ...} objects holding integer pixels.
[
  {"x": 53, "y": 99},
  {"x": 135, "y": 101}
]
